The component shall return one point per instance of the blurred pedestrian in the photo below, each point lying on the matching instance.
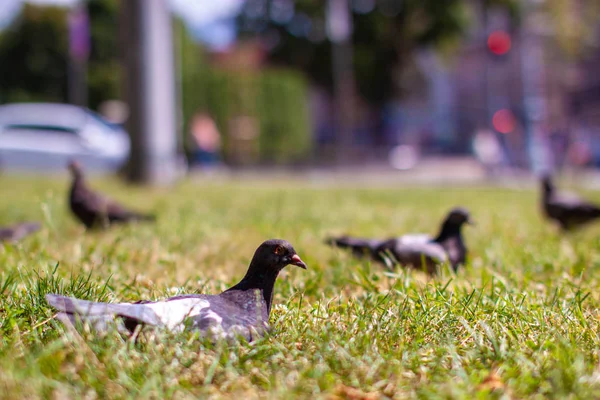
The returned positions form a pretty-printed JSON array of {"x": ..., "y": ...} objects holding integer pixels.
[
  {"x": 206, "y": 140},
  {"x": 488, "y": 150}
]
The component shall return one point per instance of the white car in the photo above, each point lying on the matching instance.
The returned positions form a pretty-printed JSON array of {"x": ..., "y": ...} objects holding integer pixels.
[{"x": 45, "y": 136}]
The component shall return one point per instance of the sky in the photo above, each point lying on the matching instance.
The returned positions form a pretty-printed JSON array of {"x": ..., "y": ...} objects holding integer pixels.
[{"x": 211, "y": 20}]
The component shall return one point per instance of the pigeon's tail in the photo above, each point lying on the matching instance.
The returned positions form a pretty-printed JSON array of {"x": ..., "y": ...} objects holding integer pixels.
[
  {"x": 19, "y": 231},
  {"x": 358, "y": 246},
  {"x": 99, "y": 315},
  {"x": 144, "y": 217},
  {"x": 593, "y": 213},
  {"x": 26, "y": 228},
  {"x": 130, "y": 216}
]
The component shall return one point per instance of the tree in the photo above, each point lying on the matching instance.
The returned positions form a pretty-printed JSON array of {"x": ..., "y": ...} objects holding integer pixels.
[
  {"x": 383, "y": 38},
  {"x": 35, "y": 56},
  {"x": 33, "y": 53},
  {"x": 574, "y": 25},
  {"x": 104, "y": 70}
]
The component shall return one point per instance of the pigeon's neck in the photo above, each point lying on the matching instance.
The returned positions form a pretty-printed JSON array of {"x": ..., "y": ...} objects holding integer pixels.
[
  {"x": 448, "y": 231},
  {"x": 78, "y": 180},
  {"x": 547, "y": 189},
  {"x": 547, "y": 192},
  {"x": 260, "y": 278}
]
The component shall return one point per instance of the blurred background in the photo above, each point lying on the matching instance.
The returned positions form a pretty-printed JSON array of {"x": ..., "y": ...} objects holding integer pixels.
[{"x": 488, "y": 87}]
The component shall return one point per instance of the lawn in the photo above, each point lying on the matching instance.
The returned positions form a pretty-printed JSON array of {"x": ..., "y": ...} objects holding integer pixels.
[{"x": 520, "y": 320}]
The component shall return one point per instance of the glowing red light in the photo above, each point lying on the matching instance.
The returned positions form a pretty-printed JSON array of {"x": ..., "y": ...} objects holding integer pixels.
[
  {"x": 504, "y": 121},
  {"x": 499, "y": 42}
]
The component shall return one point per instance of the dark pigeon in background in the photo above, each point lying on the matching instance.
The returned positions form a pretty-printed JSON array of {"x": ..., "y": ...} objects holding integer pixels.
[
  {"x": 567, "y": 209},
  {"x": 415, "y": 250},
  {"x": 16, "y": 232},
  {"x": 242, "y": 310},
  {"x": 95, "y": 210}
]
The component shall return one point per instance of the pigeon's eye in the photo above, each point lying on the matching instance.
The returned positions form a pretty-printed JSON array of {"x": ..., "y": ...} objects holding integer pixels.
[{"x": 279, "y": 250}]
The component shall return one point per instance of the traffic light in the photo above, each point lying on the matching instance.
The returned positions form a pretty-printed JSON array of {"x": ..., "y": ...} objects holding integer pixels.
[
  {"x": 499, "y": 43},
  {"x": 504, "y": 121}
]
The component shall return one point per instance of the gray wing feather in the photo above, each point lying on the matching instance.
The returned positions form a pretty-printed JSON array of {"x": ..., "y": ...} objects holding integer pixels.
[{"x": 89, "y": 310}]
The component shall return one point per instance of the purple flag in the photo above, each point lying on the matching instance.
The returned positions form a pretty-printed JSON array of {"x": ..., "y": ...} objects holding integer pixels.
[{"x": 79, "y": 33}]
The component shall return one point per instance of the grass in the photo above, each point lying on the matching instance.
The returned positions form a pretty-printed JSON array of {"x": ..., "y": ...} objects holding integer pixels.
[{"x": 520, "y": 320}]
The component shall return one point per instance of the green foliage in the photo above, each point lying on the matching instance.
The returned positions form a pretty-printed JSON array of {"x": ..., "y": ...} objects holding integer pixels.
[
  {"x": 383, "y": 41},
  {"x": 33, "y": 52},
  {"x": 575, "y": 25},
  {"x": 35, "y": 57},
  {"x": 104, "y": 69},
  {"x": 285, "y": 131},
  {"x": 519, "y": 321},
  {"x": 273, "y": 101}
]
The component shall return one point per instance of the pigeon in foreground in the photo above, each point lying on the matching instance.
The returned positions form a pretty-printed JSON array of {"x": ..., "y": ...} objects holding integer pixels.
[
  {"x": 415, "y": 250},
  {"x": 94, "y": 210},
  {"x": 242, "y": 310},
  {"x": 16, "y": 232},
  {"x": 567, "y": 209}
]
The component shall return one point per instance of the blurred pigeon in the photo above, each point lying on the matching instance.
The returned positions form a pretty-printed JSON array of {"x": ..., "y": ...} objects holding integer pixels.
[
  {"x": 416, "y": 250},
  {"x": 567, "y": 209},
  {"x": 242, "y": 310},
  {"x": 94, "y": 210},
  {"x": 16, "y": 232}
]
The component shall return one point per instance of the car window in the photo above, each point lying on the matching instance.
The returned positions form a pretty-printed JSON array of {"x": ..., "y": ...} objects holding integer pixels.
[
  {"x": 46, "y": 128},
  {"x": 101, "y": 120}
]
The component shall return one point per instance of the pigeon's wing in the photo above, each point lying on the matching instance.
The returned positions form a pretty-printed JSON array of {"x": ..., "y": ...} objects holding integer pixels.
[
  {"x": 570, "y": 210},
  {"x": 419, "y": 254},
  {"x": 214, "y": 316},
  {"x": 170, "y": 314},
  {"x": 566, "y": 199},
  {"x": 118, "y": 213},
  {"x": 414, "y": 238},
  {"x": 99, "y": 315},
  {"x": 455, "y": 250},
  {"x": 89, "y": 199},
  {"x": 226, "y": 320},
  {"x": 19, "y": 231},
  {"x": 397, "y": 250},
  {"x": 94, "y": 208}
]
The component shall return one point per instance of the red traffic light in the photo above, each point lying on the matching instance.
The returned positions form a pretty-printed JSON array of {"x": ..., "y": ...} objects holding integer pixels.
[
  {"x": 504, "y": 121},
  {"x": 499, "y": 42}
]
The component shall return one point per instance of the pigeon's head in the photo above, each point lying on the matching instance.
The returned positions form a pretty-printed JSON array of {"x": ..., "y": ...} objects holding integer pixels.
[
  {"x": 276, "y": 254},
  {"x": 459, "y": 216},
  {"x": 75, "y": 168}
]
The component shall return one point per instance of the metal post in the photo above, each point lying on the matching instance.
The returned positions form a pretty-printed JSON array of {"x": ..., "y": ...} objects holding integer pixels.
[
  {"x": 79, "y": 48},
  {"x": 339, "y": 27},
  {"x": 534, "y": 91},
  {"x": 149, "y": 90}
]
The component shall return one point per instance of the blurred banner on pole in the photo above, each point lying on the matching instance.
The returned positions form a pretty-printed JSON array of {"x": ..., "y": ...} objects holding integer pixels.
[
  {"x": 339, "y": 31},
  {"x": 339, "y": 21},
  {"x": 79, "y": 50}
]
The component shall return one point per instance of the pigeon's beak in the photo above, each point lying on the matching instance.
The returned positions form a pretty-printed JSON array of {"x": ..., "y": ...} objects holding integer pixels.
[
  {"x": 297, "y": 261},
  {"x": 471, "y": 222}
]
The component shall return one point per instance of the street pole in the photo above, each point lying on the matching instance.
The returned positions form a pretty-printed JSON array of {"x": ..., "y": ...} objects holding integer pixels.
[
  {"x": 534, "y": 90},
  {"x": 339, "y": 29},
  {"x": 79, "y": 48},
  {"x": 149, "y": 90}
]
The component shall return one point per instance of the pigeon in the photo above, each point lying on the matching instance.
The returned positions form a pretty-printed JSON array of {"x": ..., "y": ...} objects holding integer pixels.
[
  {"x": 241, "y": 311},
  {"x": 94, "y": 210},
  {"x": 415, "y": 250},
  {"x": 567, "y": 209},
  {"x": 16, "y": 232}
]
